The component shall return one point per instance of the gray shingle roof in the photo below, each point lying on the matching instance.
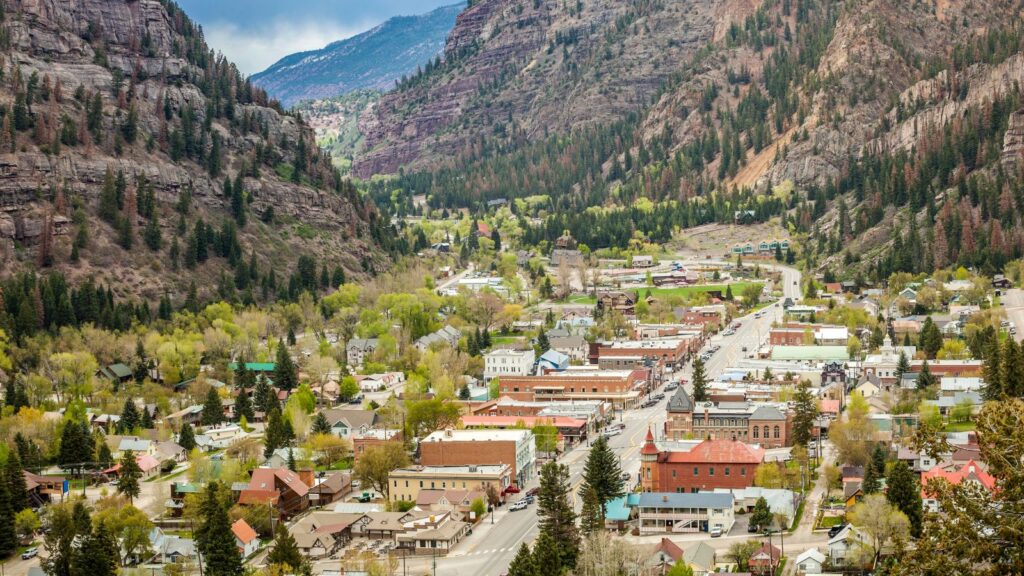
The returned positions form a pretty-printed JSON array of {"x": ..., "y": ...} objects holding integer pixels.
[
  {"x": 767, "y": 413},
  {"x": 680, "y": 401}
]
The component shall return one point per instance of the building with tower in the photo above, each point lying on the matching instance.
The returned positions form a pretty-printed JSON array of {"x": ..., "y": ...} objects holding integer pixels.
[{"x": 697, "y": 466}]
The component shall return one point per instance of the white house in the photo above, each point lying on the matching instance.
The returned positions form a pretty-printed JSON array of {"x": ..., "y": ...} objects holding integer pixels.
[
  {"x": 245, "y": 538},
  {"x": 224, "y": 436},
  {"x": 375, "y": 382},
  {"x": 810, "y": 561},
  {"x": 681, "y": 512},
  {"x": 842, "y": 544},
  {"x": 506, "y": 362},
  {"x": 575, "y": 347},
  {"x": 949, "y": 386}
]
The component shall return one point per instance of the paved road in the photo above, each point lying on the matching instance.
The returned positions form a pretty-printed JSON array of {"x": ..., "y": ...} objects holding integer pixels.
[
  {"x": 1013, "y": 301},
  {"x": 490, "y": 549}
]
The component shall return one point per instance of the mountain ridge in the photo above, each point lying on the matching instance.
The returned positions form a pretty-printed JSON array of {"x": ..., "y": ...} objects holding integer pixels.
[{"x": 374, "y": 59}]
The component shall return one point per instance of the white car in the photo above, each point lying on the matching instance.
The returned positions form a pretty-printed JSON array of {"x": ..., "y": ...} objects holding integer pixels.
[
  {"x": 518, "y": 505},
  {"x": 30, "y": 553},
  {"x": 716, "y": 531},
  {"x": 612, "y": 432}
]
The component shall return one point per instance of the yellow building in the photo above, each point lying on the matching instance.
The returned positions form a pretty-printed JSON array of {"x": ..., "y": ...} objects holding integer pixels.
[{"x": 406, "y": 483}]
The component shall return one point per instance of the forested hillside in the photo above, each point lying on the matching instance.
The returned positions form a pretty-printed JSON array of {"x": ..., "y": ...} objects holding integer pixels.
[
  {"x": 135, "y": 156},
  {"x": 859, "y": 124}
]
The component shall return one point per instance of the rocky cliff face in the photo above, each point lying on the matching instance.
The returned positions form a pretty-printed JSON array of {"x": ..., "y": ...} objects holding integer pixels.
[
  {"x": 518, "y": 70},
  {"x": 375, "y": 59},
  {"x": 129, "y": 86}
]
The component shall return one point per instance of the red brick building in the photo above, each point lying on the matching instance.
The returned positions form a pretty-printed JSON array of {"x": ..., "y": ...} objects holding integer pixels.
[
  {"x": 623, "y": 388},
  {"x": 635, "y": 353},
  {"x": 708, "y": 465},
  {"x": 787, "y": 336}
]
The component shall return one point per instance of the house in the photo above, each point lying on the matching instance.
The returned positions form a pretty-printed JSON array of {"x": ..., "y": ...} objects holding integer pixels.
[
  {"x": 810, "y": 561},
  {"x": 345, "y": 422},
  {"x": 378, "y": 382},
  {"x": 115, "y": 373},
  {"x": 780, "y": 501},
  {"x": 224, "y": 435},
  {"x": 506, "y": 362},
  {"x": 673, "y": 512},
  {"x": 908, "y": 294},
  {"x": 665, "y": 553},
  {"x": 643, "y": 261},
  {"x": 433, "y": 534},
  {"x": 168, "y": 450},
  {"x": 245, "y": 538},
  {"x": 1001, "y": 282},
  {"x": 278, "y": 486},
  {"x": 169, "y": 549},
  {"x": 701, "y": 558},
  {"x": 149, "y": 466},
  {"x": 43, "y": 489},
  {"x": 447, "y": 336},
  {"x": 622, "y": 302},
  {"x": 358, "y": 349},
  {"x": 315, "y": 544},
  {"x": 575, "y": 347},
  {"x": 765, "y": 560},
  {"x": 135, "y": 444},
  {"x": 953, "y": 474},
  {"x": 552, "y": 360},
  {"x": 455, "y": 502},
  {"x": 867, "y": 388},
  {"x": 843, "y": 544}
]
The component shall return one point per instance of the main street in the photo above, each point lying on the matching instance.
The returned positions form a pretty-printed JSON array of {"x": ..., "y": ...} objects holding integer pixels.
[{"x": 490, "y": 549}]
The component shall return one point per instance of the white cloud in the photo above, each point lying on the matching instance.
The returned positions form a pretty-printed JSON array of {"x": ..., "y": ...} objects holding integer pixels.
[{"x": 254, "y": 49}]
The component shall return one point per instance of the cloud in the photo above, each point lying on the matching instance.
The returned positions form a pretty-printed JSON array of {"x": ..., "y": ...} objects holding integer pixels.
[{"x": 254, "y": 48}]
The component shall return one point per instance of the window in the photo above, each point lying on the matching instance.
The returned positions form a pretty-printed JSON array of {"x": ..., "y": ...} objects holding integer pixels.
[
  {"x": 695, "y": 472},
  {"x": 776, "y": 432},
  {"x": 711, "y": 470},
  {"x": 743, "y": 470},
  {"x": 766, "y": 432},
  {"x": 755, "y": 431},
  {"x": 726, "y": 470},
  {"x": 673, "y": 473}
]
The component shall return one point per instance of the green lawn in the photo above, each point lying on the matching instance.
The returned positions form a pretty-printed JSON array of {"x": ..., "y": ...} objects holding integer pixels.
[
  {"x": 959, "y": 427},
  {"x": 737, "y": 289},
  {"x": 830, "y": 521}
]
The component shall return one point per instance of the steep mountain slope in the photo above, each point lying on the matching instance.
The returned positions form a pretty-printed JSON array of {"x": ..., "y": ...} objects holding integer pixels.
[
  {"x": 516, "y": 71},
  {"x": 858, "y": 124},
  {"x": 133, "y": 154},
  {"x": 374, "y": 59}
]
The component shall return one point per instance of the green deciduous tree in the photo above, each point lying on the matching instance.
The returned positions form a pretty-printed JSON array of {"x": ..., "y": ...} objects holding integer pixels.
[{"x": 377, "y": 462}]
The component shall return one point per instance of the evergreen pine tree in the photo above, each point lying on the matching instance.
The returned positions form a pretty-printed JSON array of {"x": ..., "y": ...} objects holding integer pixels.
[
  {"x": 275, "y": 433},
  {"x": 8, "y": 538},
  {"x": 805, "y": 411},
  {"x": 147, "y": 419},
  {"x": 592, "y": 515},
  {"x": 213, "y": 408},
  {"x": 291, "y": 459},
  {"x": 98, "y": 555},
  {"x": 16, "y": 482},
  {"x": 557, "y": 517},
  {"x": 214, "y": 538},
  {"x": 243, "y": 407},
  {"x": 700, "y": 381},
  {"x": 992, "y": 372},
  {"x": 264, "y": 396},
  {"x": 320, "y": 424},
  {"x": 904, "y": 492},
  {"x": 522, "y": 564},
  {"x": 128, "y": 476},
  {"x": 925, "y": 378},
  {"x": 286, "y": 551},
  {"x": 285, "y": 377},
  {"x": 870, "y": 483},
  {"x": 543, "y": 344},
  {"x": 129, "y": 417},
  {"x": 902, "y": 366},
  {"x": 103, "y": 455},
  {"x": 187, "y": 437},
  {"x": 603, "y": 473},
  {"x": 878, "y": 458},
  {"x": 547, "y": 555},
  {"x": 762, "y": 515}
]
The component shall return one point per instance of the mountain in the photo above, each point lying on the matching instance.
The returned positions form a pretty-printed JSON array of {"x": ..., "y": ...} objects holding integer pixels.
[
  {"x": 887, "y": 136},
  {"x": 133, "y": 154},
  {"x": 374, "y": 59}
]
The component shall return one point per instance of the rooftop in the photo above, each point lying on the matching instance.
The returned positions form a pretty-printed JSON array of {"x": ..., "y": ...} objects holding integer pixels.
[
  {"x": 480, "y": 470},
  {"x": 685, "y": 500},
  {"x": 514, "y": 435}
]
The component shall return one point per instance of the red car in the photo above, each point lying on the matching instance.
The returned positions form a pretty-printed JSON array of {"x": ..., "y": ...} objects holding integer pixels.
[
  {"x": 512, "y": 489},
  {"x": 533, "y": 491}
]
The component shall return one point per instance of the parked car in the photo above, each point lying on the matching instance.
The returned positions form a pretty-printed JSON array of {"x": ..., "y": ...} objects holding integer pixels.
[
  {"x": 716, "y": 531},
  {"x": 30, "y": 553},
  {"x": 671, "y": 386},
  {"x": 518, "y": 505},
  {"x": 835, "y": 530},
  {"x": 612, "y": 432},
  {"x": 626, "y": 476},
  {"x": 533, "y": 491},
  {"x": 659, "y": 396}
]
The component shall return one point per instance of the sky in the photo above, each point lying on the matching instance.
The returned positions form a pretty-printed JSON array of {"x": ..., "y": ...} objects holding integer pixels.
[{"x": 256, "y": 33}]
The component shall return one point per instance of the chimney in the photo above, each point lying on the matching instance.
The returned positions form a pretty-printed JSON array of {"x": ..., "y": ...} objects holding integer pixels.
[{"x": 308, "y": 477}]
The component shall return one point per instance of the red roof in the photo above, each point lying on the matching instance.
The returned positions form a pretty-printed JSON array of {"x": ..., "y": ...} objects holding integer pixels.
[
  {"x": 718, "y": 452},
  {"x": 483, "y": 229},
  {"x": 253, "y": 496},
  {"x": 264, "y": 479},
  {"x": 829, "y": 406},
  {"x": 671, "y": 549},
  {"x": 243, "y": 531},
  {"x": 969, "y": 471},
  {"x": 649, "y": 447}
]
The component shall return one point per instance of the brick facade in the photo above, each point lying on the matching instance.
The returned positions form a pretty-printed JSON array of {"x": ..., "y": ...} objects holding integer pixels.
[
  {"x": 621, "y": 388},
  {"x": 709, "y": 465}
]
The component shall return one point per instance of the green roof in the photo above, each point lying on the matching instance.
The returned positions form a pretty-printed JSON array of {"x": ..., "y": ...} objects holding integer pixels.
[
  {"x": 810, "y": 353},
  {"x": 186, "y": 488},
  {"x": 617, "y": 510},
  {"x": 254, "y": 366}
]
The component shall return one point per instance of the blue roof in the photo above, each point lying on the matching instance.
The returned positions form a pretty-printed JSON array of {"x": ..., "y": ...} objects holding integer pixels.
[
  {"x": 685, "y": 500},
  {"x": 616, "y": 510},
  {"x": 554, "y": 358}
]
